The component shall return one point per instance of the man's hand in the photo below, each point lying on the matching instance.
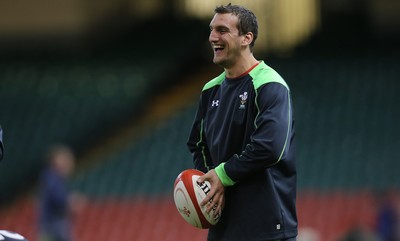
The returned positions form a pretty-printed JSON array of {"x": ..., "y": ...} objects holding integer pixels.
[{"x": 216, "y": 194}]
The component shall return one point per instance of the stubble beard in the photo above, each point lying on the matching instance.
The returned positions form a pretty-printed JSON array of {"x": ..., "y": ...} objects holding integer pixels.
[{"x": 224, "y": 62}]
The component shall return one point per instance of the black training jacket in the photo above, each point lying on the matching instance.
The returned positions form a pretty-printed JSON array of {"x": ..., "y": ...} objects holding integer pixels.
[{"x": 244, "y": 129}]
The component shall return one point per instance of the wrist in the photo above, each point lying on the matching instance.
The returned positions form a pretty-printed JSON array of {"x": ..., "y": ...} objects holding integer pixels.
[{"x": 223, "y": 177}]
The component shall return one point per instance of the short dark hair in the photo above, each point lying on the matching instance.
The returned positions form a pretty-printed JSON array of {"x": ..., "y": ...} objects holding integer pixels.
[{"x": 247, "y": 19}]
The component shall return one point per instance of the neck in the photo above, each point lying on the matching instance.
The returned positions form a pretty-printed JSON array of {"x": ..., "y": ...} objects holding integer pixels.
[{"x": 240, "y": 67}]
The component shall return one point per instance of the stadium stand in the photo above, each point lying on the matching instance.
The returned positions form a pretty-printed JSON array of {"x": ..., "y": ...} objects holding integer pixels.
[
  {"x": 46, "y": 100},
  {"x": 346, "y": 120}
]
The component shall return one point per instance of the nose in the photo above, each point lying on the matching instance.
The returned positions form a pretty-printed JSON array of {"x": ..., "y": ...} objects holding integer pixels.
[{"x": 213, "y": 36}]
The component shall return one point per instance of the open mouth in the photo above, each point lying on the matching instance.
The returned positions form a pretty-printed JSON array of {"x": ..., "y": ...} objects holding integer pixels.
[{"x": 218, "y": 48}]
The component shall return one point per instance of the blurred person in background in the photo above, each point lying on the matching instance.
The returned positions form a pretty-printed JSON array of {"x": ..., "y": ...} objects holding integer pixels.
[
  {"x": 57, "y": 203},
  {"x": 388, "y": 220},
  {"x": 243, "y": 137}
]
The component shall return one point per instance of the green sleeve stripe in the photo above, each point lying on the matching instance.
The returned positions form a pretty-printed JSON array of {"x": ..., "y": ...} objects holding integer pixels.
[
  {"x": 214, "y": 82},
  {"x": 289, "y": 127},
  {"x": 263, "y": 74},
  {"x": 202, "y": 146},
  {"x": 225, "y": 179}
]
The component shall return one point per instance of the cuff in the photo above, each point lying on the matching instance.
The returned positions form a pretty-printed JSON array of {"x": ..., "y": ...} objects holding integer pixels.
[{"x": 223, "y": 177}]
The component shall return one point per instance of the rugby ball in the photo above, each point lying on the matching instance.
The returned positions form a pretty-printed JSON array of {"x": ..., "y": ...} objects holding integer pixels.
[
  {"x": 188, "y": 194},
  {"x": 6, "y": 235}
]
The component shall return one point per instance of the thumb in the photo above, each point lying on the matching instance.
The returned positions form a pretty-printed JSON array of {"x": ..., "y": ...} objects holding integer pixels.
[{"x": 202, "y": 178}]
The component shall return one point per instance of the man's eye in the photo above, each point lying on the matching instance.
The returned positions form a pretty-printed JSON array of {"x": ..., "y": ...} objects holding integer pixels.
[
  {"x": 219, "y": 30},
  {"x": 224, "y": 30}
]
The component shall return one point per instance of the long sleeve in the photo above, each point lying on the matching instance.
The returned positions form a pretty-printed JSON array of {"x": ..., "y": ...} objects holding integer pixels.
[
  {"x": 197, "y": 143},
  {"x": 270, "y": 141}
]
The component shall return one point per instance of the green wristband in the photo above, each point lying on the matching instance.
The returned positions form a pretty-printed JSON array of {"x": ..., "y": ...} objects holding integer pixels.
[{"x": 223, "y": 177}]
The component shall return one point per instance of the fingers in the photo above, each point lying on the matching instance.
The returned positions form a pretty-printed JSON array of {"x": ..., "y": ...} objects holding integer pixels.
[
  {"x": 221, "y": 204},
  {"x": 205, "y": 177},
  {"x": 201, "y": 180},
  {"x": 216, "y": 205},
  {"x": 208, "y": 199},
  {"x": 215, "y": 199}
]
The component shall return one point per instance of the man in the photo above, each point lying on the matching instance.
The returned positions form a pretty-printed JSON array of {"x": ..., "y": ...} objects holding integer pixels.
[
  {"x": 242, "y": 137},
  {"x": 54, "y": 210}
]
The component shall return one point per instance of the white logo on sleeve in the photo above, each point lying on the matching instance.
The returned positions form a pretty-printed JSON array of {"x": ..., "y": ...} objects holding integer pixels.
[{"x": 215, "y": 103}]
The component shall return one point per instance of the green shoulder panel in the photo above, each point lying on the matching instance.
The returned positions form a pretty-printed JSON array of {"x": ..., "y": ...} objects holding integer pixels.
[
  {"x": 263, "y": 74},
  {"x": 214, "y": 82}
]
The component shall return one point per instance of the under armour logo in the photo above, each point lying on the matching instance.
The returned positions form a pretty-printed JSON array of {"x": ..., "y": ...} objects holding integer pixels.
[{"x": 215, "y": 103}]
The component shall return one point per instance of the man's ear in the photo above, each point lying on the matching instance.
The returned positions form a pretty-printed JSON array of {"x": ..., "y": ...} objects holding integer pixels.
[{"x": 248, "y": 38}]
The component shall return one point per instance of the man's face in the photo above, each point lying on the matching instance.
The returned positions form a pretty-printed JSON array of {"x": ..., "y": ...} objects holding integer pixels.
[
  {"x": 64, "y": 163},
  {"x": 225, "y": 39}
]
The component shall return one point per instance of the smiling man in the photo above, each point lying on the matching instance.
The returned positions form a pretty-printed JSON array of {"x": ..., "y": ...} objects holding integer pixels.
[{"x": 243, "y": 137}]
